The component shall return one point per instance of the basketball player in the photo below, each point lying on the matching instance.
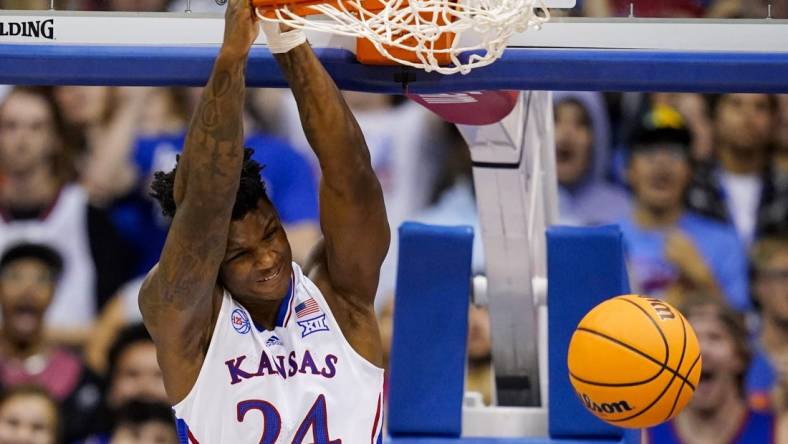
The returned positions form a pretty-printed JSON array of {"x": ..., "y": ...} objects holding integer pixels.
[
  {"x": 251, "y": 349},
  {"x": 718, "y": 412}
]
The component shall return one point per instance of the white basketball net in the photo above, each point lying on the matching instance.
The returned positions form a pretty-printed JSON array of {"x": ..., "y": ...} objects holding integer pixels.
[{"x": 481, "y": 26}]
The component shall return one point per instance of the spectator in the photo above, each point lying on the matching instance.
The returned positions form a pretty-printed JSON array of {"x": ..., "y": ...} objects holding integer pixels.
[
  {"x": 670, "y": 249},
  {"x": 694, "y": 108},
  {"x": 28, "y": 415},
  {"x": 718, "y": 411},
  {"x": 28, "y": 278},
  {"x": 736, "y": 189},
  {"x": 133, "y": 375},
  {"x": 103, "y": 122},
  {"x": 40, "y": 202},
  {"x": 106, "y": 123},
  {"x": 480, "y": 375},
  {"x": 773, "y": 214},
  {"x": 134, "y": 371},
  {"x": 767, "y": 381},
  {"x": 141, "y": 422},
  {"x": 582, "y": 143}
]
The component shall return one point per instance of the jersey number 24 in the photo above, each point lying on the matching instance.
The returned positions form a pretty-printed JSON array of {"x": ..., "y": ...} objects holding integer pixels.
[{"x": 316, "y": 420}]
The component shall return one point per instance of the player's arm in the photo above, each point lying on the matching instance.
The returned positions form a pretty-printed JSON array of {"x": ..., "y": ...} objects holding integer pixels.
[
  {"x": 180, "y": 296},
  {"x": 352, "y": 213}
]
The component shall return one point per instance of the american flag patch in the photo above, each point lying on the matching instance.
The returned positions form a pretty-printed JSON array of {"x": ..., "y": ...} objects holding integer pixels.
[{"x": 307, "y": 308}]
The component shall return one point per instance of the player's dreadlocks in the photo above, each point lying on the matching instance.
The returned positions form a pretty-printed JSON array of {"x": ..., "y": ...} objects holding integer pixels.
[{"x": 250, "y": 190}]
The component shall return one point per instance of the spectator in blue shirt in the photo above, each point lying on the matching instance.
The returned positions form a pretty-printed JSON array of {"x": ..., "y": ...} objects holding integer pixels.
[
  {"x": 582, "y": 151},
  {"x": 718, "y": 411},
  {"x": 767, "y": 381},
  {"x": 671, "y": 250}
]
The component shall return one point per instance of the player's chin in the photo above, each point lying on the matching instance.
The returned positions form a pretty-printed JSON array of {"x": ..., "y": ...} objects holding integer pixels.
[{"x": 274, "y": 287}]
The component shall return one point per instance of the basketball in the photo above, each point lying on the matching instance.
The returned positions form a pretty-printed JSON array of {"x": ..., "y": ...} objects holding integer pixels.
[{"x": 634, "y": 361}]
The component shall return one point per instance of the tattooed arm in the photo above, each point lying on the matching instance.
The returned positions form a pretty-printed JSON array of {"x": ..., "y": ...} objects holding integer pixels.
[
  {"x": 180, "y": 297},
  {"x": 352, "y": 213}
]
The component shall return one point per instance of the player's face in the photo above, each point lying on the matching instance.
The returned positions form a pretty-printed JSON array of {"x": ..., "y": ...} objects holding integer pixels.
[
  {"x": 721, "y": 362},
  {"x": 27, "y": 135},
  {"x": 744, "y": 121},
  {"x": 771, "y": 288},
  {"x": 137, "y": 376},
  {"x": 28, "y": 419},
  {"x": 26, "y": 290},
  {"x": 257, "y": 264},
  {"x": 573, "y": 142},
  {"x": 659, "y": 176}
]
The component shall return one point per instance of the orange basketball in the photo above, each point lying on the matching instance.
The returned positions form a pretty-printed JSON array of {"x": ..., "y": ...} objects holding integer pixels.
[{"x": 634, "y": 361}]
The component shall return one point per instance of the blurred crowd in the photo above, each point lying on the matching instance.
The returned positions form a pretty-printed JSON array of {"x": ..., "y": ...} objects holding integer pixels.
[{"x": 698, "y": 184}]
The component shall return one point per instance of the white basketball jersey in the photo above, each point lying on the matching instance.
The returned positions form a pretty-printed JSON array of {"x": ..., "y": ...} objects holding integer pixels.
[{"x": 299, "y": 383}]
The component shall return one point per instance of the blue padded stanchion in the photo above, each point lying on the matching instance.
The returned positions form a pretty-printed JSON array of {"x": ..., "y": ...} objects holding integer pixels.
[
  {"x": 585, "y": 266},
  {"x": 428, "y": 349}
]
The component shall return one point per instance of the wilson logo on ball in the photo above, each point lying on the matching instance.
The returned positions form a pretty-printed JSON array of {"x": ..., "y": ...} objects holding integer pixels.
[{"x": 605, "y": 407}]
